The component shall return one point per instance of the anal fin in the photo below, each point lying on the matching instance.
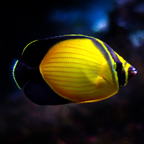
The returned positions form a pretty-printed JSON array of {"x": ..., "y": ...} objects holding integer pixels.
[{"x": 41, "y": 94}]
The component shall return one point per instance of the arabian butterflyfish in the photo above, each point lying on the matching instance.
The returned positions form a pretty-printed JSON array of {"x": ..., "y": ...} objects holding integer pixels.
[{"x": 70, "y": 69}]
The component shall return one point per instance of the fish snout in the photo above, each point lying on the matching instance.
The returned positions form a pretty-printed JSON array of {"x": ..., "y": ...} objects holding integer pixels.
[{"x": 131, "y": 72}]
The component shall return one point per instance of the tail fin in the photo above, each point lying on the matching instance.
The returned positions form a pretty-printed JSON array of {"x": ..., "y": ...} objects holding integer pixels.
[
  {"x": 21, "y": 74},
  {"x": 35, "y": 88}
]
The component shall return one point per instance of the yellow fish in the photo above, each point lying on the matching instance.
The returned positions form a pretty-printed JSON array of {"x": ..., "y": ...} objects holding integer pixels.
[{"x": 70, "y": 69}]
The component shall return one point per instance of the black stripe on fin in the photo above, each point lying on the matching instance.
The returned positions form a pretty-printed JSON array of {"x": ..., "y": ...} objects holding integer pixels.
[
  {"x": 40, "y": 93},
  {"x": 34, "y": 52}
]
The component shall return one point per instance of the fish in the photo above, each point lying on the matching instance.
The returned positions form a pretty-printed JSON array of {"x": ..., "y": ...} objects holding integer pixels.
[{"x": 71, "y": 68}]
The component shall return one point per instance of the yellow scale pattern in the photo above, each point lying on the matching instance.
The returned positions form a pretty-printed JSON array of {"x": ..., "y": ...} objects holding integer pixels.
[{"x": 71, "y": 68}]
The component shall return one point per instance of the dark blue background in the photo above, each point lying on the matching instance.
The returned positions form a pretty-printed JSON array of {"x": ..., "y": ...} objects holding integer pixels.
[{"x": 119, "y": 119}]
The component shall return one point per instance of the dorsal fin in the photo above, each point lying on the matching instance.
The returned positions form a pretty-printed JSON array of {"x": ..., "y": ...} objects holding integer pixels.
[{"x": 34, "y": 52}]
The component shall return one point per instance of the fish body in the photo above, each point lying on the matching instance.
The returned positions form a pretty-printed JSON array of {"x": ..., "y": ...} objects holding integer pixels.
[{"x": 70, "y": 68}]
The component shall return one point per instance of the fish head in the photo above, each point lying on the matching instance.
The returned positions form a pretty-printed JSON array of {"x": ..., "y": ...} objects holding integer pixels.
[
  {"x": 130, "y": 71},
  {"x": 125, "y": 71}
]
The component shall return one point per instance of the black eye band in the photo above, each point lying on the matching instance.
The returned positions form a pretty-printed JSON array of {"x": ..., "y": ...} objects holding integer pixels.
[
  {"x": 119, "y": 67},
  {"x": 120, "y": 74},
  {"x": 121, "y": 78}
]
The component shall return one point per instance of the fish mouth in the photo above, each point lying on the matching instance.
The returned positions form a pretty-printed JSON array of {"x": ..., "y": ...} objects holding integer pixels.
[
  {"x": 131, "y": 72},
  {"x": 134, "y": 71}
]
